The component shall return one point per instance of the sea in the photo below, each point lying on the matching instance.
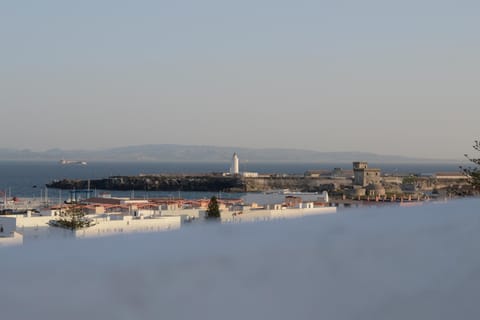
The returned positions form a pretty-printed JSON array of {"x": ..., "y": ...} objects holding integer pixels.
[{"x": 28, "y": 179}]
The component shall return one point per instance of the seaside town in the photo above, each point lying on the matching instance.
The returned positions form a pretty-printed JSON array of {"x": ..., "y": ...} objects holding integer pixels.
[
  {"x": 240, "y": 160},
  {"x": 280, "y": 196}
]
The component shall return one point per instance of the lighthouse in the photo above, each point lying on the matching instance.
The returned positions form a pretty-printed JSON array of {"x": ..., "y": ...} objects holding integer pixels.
[{"x": 234, "y": 167}]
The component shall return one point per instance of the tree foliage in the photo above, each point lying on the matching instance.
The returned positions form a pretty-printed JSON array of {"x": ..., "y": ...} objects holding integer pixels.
[
  {"x": 213, "y": 211},
  {"x": 73, "y": 218},
  {"x": 409, "y": 180},
  {"x": 474, "y": 173}
]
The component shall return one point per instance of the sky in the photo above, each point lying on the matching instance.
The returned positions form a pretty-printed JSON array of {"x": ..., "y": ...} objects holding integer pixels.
[{"x": 390, "y": 77}]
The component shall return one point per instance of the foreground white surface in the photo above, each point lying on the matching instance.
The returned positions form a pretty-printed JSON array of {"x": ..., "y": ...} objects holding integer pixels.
[{"x": 389, "y": 263}]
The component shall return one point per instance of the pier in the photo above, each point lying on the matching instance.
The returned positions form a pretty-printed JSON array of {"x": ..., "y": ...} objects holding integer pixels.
[{"x": 207, "y": 182}]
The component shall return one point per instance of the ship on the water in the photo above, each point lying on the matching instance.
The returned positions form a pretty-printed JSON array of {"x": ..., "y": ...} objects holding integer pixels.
[{"x": 73, "y": 162}]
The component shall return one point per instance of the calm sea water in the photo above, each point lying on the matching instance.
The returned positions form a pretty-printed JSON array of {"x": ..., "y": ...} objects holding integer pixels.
[{"x": 28, "y": 179}]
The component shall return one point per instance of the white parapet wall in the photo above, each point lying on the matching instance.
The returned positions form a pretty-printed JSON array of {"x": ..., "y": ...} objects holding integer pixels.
[
  {"x": 33, "y": 221},
  {"x": 32, "y": 228},
  {"x": 171, "y": 211},
  {"x": 368, "y": 263},
  {"x": 8, "y": 234},
  {"x": 129, "y": 224},
  {"x": 252, "y": 215},
  {"x": 186, "y": 213},
  {"x": 26, "y": 221},
  {"x": 8, "y": 225},
  {"x": 15, "y": 239},
  {"x": 16, "y": 228}
]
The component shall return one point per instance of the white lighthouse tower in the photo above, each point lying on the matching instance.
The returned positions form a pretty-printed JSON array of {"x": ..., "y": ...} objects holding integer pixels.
[{"x": 234, "y": 167}]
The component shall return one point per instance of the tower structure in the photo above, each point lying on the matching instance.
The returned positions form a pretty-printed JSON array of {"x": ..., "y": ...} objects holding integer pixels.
[
  {"x": 363, "y": 175},
  {"x": 234, "y": 167}
]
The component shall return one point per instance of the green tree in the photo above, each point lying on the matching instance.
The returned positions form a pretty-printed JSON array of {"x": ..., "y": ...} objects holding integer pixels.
[
  {"x": 409, "y": 180},
  {"x": 213, "y": 211},
  {"x": 73, "y": 218},
  {"x": 473, "y": 173}
]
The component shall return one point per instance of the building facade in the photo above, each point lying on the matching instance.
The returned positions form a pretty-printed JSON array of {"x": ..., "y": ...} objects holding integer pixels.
[{"x": 363, "y": 175}]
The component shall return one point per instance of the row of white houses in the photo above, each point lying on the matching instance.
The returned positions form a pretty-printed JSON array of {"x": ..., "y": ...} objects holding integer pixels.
[{"x": 124, "y": 216}]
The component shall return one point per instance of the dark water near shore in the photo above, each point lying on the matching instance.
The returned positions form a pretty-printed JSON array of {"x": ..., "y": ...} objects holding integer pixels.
[{"x": 28, "y": 179}]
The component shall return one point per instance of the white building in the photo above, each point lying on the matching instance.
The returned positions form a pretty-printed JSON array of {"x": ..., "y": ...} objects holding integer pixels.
[
  {"x": 16, "y": 229},
  {"x": 8, "y": 234},
  {"x": 31, "y": 227},
  {"x": 112, "y": 225},
  {"x": 249, "y": 174},
  {"x": 278, "y": 211}
]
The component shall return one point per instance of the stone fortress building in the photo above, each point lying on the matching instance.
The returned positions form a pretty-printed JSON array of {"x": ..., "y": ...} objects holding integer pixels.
[
  {"x": 366, "y": 180},
  {"x": 364, "y": 176}
]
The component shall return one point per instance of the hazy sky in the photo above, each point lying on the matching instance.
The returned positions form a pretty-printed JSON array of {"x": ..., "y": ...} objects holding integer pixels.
[{"x": 392, "y": 77}]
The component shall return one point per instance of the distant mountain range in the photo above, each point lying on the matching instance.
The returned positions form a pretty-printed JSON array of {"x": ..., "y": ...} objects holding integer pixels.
[{"x": 188, "y": 153}]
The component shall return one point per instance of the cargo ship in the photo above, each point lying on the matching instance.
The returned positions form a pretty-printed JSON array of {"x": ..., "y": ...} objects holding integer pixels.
[{"x": 73, "y": 162}]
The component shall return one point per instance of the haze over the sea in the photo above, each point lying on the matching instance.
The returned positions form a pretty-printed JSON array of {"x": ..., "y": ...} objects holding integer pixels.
[{"x": 196, "y": 154}]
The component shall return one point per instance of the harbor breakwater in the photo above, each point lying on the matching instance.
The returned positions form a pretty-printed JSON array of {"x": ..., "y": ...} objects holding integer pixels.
[{"x": 197, "y": 183}]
